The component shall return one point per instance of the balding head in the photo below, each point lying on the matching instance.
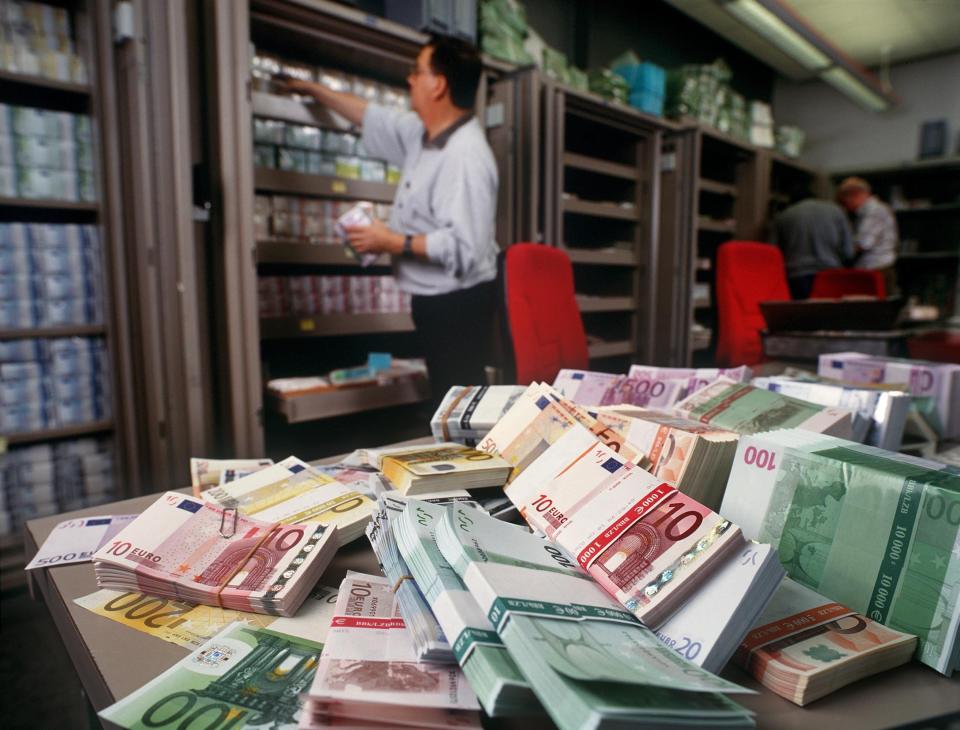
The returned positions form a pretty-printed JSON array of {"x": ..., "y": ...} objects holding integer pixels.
[{"x": 853, "y": 192}]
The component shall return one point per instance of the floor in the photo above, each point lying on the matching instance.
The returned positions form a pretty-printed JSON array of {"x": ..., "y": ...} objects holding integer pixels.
[{"x": 40, "y": 686}]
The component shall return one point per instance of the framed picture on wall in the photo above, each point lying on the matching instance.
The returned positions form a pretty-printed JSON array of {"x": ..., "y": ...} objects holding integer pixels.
[{"x": 933, "y": 139}]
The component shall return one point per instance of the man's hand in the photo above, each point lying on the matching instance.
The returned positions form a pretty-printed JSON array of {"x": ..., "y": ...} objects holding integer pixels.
[
  {"x": 291, "y": 85},
  {"x": 375, "y": 238}
]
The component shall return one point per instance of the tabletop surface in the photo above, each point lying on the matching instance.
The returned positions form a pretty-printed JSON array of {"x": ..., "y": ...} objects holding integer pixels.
[{"x": 113, "y": 660}]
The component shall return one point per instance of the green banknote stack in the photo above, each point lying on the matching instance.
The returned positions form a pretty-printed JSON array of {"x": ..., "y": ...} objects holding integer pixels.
[
  {"x": 874, "y": 530},
  {"x": 491, "y": 672},
  {"x": 591, "y": 664}
]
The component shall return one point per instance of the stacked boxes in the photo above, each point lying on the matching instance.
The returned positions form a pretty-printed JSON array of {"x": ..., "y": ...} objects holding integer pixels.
[
  {"x": 307, "y": 149},
  {"x": 309, "y": 220},
  {"x": 282, "y": 296},
  {"x": 54, "y": 477},
  {"x": 53, "y": 383},
  {"x": 38, "y": 40},
  {"x": 50, "y": 275},
  {"x": 761, "y": 124},
  {"x": 46, "y": 155}
]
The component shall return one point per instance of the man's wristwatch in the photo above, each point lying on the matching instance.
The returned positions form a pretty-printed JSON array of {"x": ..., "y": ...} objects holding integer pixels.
[{"x": 407, "y": 246}]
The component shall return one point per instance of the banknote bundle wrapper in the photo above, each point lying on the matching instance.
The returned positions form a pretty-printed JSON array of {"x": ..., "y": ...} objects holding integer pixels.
[
  {"x": 468, "y": 412},
  {"x": 294, "y": 492},
  {"x": 870, "y": 529},
  {"x": 745, "y": 409},
  {"x": 243, "y": 677},
  {"x": 879, "y": 413},
  {"x": 805, "y": 646},
  {"x": 443, "y": 466},
  {"x": 934, "y": 385},
  {"x": 486, "y": 663},
  {"x": 429, "y": 642},
  {"x": 184, "y": 548},
  {"x": 207, "y": 473},
  {"x": 369, "y": 673},
  {"x": 591, "y": 664}
]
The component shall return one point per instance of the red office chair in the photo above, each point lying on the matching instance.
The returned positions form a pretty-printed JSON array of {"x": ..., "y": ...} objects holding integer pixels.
[
  {"x": 747, "y": 273},
  {"x": 541, "y": 317},
  {"x": 836, "y": 283}
]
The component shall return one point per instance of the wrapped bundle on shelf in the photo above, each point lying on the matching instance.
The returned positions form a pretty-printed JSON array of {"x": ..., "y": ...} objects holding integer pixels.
[{"x": 503, "y": 27}]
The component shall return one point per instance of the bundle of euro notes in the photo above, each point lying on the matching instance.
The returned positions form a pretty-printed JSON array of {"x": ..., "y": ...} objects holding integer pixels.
[
  {"x": 252, "y": 675},
  {"x": 694, "y": 456},
  {"x": 746, "y": 409},
  {"x": 690, "y": 379},
  {"x": 873, "y": 530},
  {"x": 487, "y": 665},
  {"x": 369, "y": 675},
  {"x": 207, "y": 473},
  {"x": 443, "y": 466},
  {"x": 644, "y": 542},
  {"x": 468, "y": 412},
  {"x": 294, "y": 492},
  {"x": 879, "y": 413},
  {"x": 181, "y": 547},
  {"x": 805, "y": 646},
  {"x": 590, "y": 663},
  {"x": 935, "y": 385},
  {"x": 606, "y": 389},
  {"x": 429, "y": 642}
]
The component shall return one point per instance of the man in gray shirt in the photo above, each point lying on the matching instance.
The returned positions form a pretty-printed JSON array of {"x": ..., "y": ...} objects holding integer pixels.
[
  {"x": 813, "y": 235},
  {"x": 441, "y": 229}
]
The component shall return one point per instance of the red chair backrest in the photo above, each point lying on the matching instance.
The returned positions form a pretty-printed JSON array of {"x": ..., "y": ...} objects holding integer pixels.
[
  {"x": 542, "y": 314},
  {"x": 836, "y": 283},
  {"x": 747, "y": 273}
]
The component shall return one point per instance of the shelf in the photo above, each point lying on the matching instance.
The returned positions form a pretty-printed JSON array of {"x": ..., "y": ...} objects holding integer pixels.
[
  {"x": 601, "y": 210},
  {"x": 607, "y": 256},
  {"x": 605, "y": 304},
  {"x": 287, "y": 109},
  {"x": 603, "y": 167},
  {"x": 49, "y": 204},
  {"x": 714, "y": 186},
  {"x": 610, "y": 349},
  {"x": 717, "y": 226},
  {"x": 328, "y": 325},
  {"x": 701, "y": 304},
  {"x": 84, "y": 429},
  {"x": 299, "y": 183},
  {"x": 351, "y": 400},
  {"x": 80, "y": 330},
  {"x": 41, "y": 82},
  {"x": 321, "y": 254},
  {"x": 740, "y": 145},
  {"x": 937, "y": 208},
  {"x": 929, "y": 255}
]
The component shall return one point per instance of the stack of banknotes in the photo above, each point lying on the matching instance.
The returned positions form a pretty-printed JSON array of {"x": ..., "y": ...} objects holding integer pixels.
[
  {"x": 588, "y": 388},
  {"x": 182, "y": 547},
  {"x": 429, "y": 642},
  {"x": 746, "y": 409},
  {"x": 692, "y": 379},
  {"x": 870, "y": 529},
  {"x": 934, "y": 385},
  {"x": 806, "y": 646},
  {"x": 369, "y": 675},
  {"x": 590, "y": 663},
  {"x": 879, "y": 412},
  {"x": 441, "y": 466},
  {"x": 694, "y": 456},
  {"x": 468, "y": 412},
  {"x": 294, "y": 492},
  {"x": 207, "y": 473}
]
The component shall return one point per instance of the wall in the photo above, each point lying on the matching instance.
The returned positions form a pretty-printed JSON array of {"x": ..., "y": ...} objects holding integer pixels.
[{"x": 842, "y": 136}]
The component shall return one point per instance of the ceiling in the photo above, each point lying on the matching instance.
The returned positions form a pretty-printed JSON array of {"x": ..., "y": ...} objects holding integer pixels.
[{"x": 862, "y": 29}]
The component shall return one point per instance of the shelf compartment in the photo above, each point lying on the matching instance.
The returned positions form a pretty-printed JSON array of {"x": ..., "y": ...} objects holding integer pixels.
[
  {"x": 610, "y": 349},
  {"x": 720, "y": 188},
  {"x": 600, "y": 166},
  {"x": 294, "y": 252},
  {"x": 322, "y": 186},
  {"x": 80, "y": 330},
  {"x": 716, "y": 226},
  {"x": 286, "y": 109},
  {"x": 588, "y": 303},
  {"x": 602, "y": 256},
  {"x": 84, "y": 429},
  {"x": 329, "y": 325},
  {"x": 602, "y": 210},
  {"x": 340, "y": 402}
]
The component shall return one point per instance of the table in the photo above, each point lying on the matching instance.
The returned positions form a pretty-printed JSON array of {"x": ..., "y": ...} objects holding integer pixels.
[{"x": 113, "y": 660}]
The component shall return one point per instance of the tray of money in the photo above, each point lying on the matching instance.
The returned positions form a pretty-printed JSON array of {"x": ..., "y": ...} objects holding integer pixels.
[
  {"x": 315, "y": 406},
  {"x": 832, "y": 314}
]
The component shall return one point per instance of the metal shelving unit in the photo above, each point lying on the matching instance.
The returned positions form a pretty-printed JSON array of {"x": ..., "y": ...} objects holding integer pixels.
[{"x": 333, "y": 325}]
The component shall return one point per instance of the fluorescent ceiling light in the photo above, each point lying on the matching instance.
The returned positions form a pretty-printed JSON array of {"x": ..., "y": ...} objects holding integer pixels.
[
  {"x": 850, "y": 85},
  {"x": 771, "y": 27}
]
